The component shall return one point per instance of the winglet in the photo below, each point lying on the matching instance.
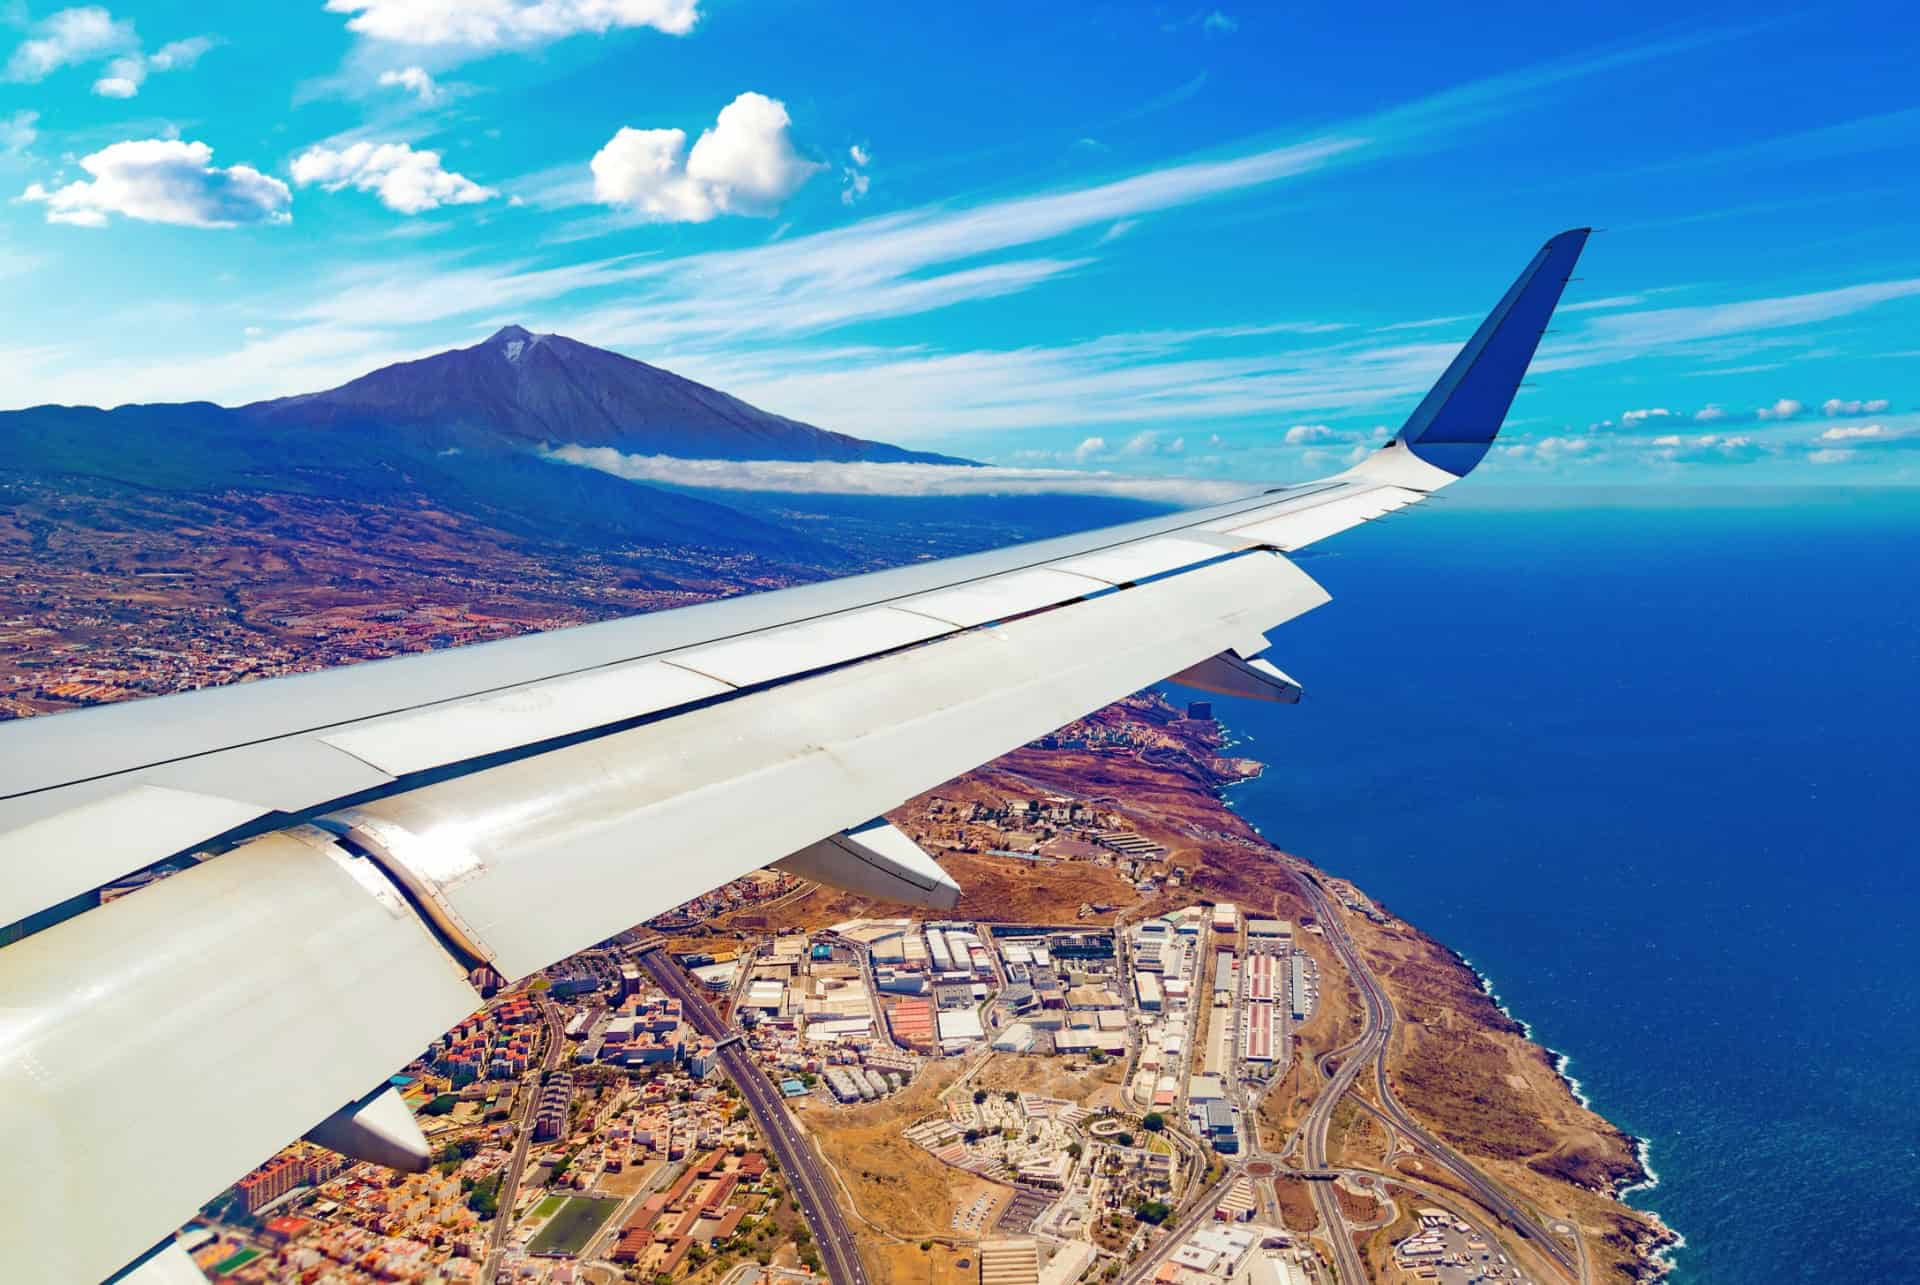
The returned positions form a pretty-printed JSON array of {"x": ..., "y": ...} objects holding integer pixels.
[{"x": 1455, "y": 424}]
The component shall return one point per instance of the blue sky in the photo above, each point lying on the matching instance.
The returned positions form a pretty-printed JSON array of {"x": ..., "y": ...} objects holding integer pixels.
[{"x": 1142, "y": 239}]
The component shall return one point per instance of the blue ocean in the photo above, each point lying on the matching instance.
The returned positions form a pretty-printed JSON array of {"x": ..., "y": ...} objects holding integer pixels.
[{"x": 1650, "y": 766}]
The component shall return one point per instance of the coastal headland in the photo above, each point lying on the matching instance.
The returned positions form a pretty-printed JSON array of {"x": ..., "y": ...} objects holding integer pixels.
[{"x": 1444, "y": 1100}]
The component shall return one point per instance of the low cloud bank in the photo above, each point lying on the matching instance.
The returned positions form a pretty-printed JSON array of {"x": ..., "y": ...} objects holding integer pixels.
[{"x": 832, "y": 477}]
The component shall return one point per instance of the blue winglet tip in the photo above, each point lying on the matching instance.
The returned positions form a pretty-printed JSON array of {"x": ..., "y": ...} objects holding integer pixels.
[{"x": 1455, "y": 424}]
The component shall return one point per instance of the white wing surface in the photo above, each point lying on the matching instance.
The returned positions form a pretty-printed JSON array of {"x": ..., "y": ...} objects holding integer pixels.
[{"x": 367, "y": 835}]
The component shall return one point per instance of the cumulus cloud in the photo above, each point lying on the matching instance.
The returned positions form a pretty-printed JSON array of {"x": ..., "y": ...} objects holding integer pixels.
[
  {"x": 1642, "y": 416},
  {"x": 1551, "y": 448},
  {"x": 1835, "y": 406},
  {"x": 1859, "y": 433},
  {"x": 128, "y": 72},
  {"x": 1090, "y": 448},
  {"x": 830, "y": 477},
  {"x": 1306, "y": 434},
  {"x": 745, "y": 164},
  {"x": 1709, "y": 414},
  {"x": 68, "y": 38},
  {"x": 415, "y": 81},
  {"x": 1785, "y": 408},
  {"x": 503, "y": 24},
  {"x": 1680, "y": 448},
  {"x": 73, "y": 37},
  {"x": 1150, "y": 442},
  {"x": 405, "y": 180},
  {"x": 1830, "y": 455},
  {"x": 164, "y": 180}
]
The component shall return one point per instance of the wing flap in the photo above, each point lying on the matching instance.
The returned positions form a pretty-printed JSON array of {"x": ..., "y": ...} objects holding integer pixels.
[
  {"x": 58, "y": 857},
  {"x": 154, "y": 1049}
]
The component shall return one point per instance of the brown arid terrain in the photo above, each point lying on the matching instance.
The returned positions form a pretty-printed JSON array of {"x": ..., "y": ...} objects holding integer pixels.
[
  {"x": 1076, "y": 1081},
  {"x": 109, "y": 592},
  {"x": 1296, "y": 1206},
  {"x": 897, "y": 1194}
]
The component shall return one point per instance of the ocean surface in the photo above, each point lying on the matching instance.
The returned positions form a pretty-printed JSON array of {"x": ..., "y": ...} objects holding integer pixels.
[{"x": 1652, "y": 768}]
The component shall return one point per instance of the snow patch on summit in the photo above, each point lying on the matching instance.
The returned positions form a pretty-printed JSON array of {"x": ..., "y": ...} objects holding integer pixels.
[{"x": 514, "y": 348}]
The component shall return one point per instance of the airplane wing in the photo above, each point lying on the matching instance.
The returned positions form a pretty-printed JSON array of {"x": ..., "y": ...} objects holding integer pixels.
[{"x": 357, "y": 841}]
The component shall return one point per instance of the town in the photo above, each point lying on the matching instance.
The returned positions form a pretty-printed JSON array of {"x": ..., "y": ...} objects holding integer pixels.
[{"x": 583, "y": 1131}]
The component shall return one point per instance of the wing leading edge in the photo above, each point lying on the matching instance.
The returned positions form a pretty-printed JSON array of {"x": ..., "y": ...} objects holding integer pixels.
[{"x": 379, "y": 829}]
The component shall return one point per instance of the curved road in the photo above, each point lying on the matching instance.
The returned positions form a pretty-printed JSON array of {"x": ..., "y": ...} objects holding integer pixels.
[{"x": 1380, "y": 1009}]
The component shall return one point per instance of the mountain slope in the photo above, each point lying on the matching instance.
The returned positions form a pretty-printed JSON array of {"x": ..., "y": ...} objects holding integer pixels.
[
  {"x": 518, "y": 390},
  {"x": 463, "y": 430}
]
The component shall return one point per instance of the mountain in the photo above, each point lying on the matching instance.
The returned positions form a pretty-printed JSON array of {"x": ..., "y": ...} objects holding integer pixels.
[
  {"x": 519, "y": 390},
  {"x": 462, "y": 430}
]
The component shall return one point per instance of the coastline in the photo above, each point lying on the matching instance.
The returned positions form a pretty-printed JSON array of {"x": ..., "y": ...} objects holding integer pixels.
[{"x": 1658, "y": 1257}]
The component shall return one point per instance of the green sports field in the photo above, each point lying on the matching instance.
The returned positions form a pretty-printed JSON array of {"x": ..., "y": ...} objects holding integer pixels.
[{"x": 569, "y": 1230}]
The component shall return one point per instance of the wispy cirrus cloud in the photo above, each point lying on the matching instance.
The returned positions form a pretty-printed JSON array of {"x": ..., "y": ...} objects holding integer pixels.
[{"x": 485, "y": 25}]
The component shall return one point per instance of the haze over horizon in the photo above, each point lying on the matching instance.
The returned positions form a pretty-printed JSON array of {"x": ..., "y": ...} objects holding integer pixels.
[{"x": 1147, "y": 257}]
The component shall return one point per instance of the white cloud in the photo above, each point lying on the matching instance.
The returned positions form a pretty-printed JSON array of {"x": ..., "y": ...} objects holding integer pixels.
[
  {"x": 1831, "y": 455},
  {"x": 68, "y": 38},
  {"x": 501, "y": 24},
  {"x": 855, "y": 181},
  {"x": 1709, "y": 414},
  {"x": 165, "y": 180},
  {"x": 85, "y": 35},
  {"x": 1303, "y": 434},
  {"x": 1641, "y": 416},
  {"x": 1860, "y": 433},
  {"x": 1785, "y": 408},
  {"x": 405, "y": 180},
  {"x": 828, "y": 477},
  {"x": 415, "y": 81},
  {"x": 18, "y": 131},
  {"x": 1090, "y": 448},
  {"x": 1834, "y": 406},
  {"x": 1551, "y": 448},
  {"x": 1682, "y": 448},
  {"x": 1150, "y": 442},
  {"x": 745, "y": 164},
  {"x": 178, "y": 55},
  {"x": 129, "y": 71}
]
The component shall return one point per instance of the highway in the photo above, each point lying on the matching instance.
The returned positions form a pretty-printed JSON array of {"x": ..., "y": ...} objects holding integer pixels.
[
  {"x": 1340, "y": 1067},
  {"x": 804, "y": 1170},
  {"x": 523, "y": 1133},
  {"x": 1372, "y": 1046}
]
